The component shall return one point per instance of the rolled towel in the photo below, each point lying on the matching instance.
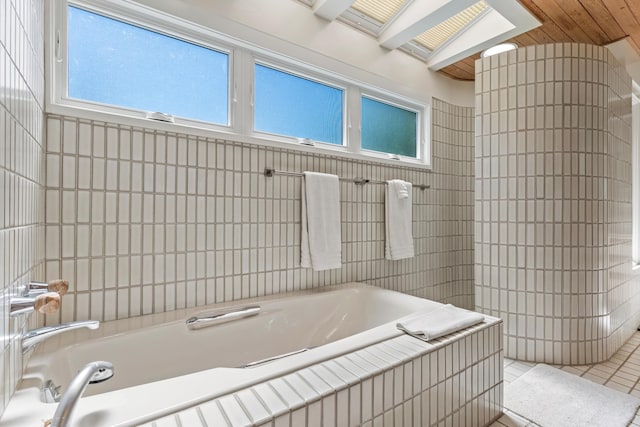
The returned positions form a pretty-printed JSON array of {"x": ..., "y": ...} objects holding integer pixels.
[
  {"x": 403, "y": 191},
  {"x": 439, "y": 322}
]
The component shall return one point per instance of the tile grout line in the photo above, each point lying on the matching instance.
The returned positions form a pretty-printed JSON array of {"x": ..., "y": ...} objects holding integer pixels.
[{"x": 618, "y": 368}]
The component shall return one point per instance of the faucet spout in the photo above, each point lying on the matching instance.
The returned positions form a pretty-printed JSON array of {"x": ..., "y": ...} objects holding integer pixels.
[
  {"x": 31, "y": 338},
  {"x": 93, "y": 372}
]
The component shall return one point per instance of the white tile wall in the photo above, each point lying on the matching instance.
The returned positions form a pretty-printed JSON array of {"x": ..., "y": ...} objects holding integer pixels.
[
  {"x": 21, "y": 166},
  {"x": 142, "y": 221},
  {"x": 553, "y": 202},
  {"x": 454, "y": 381}
]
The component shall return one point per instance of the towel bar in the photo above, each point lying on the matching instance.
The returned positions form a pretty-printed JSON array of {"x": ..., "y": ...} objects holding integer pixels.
[{"x": 270, "y": 172}]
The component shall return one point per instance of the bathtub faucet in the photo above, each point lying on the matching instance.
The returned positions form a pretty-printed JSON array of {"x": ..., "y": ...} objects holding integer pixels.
[
  {"x": 92, "y": 373},
  {"x": 31, "y": 338}
]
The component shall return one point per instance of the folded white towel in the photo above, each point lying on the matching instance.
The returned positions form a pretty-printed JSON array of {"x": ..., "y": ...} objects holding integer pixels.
[
  {"x": 439, "y": 322},
  {"x": 403, "y": 190},
  {"x": 398, "y": 220},
  {"x": 320, "y": 235}
]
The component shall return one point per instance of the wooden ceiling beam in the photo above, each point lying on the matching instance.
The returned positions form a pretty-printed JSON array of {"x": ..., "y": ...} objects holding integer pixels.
[
  {"x": 455, "y": 72},
  {"x": 524, "y": 40},
  {"x": 547, "y": 23},
  {"x": 576, "y": 11},
  {"x": 538, "y": 36},
  {"x": 599, "y": 13},
  {"x": 628, "y": 18},
  {"x": 566, "y": 22},
  {"x": 467, "y": 65},
  {"x": 598, "y": 22}
]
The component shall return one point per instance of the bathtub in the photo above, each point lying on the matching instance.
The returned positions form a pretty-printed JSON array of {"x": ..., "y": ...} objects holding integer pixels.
[{"x": 162, "y": 367}]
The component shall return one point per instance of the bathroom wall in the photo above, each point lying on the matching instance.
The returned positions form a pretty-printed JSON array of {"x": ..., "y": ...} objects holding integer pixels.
[
  {"x": 553, "y": 202},
  {"x": 143, "y": 221},
  {"x": 21, "y": 170}
]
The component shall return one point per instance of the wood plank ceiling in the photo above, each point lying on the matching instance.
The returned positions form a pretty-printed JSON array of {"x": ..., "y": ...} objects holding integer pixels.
[{"x": 598, "y": 22}]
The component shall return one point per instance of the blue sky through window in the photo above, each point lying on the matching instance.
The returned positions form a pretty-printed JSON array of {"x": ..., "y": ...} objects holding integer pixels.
[
  {"x": 388, "y": 129},
  {"x": 115, "y": 63},
  {"x": 293, "y": 106}
]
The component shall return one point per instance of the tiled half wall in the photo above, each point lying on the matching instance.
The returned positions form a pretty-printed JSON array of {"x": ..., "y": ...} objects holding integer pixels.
[
  {"x": 456, "y": 380},
  {"x": 553, "y": 202},
  {"x": 142, "y": 221}
]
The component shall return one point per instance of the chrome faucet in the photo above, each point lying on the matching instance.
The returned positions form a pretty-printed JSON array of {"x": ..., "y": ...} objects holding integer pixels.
[
  {"x": 31, "y": 338},
  {"x": 92, "y": 373}
]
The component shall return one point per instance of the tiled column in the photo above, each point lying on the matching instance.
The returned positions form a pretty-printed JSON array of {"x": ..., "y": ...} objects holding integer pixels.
[{"x": 553, "y": 202}]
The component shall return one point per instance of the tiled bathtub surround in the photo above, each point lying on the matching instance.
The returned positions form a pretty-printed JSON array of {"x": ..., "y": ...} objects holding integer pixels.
[
  {"x": 553, "y": 202},
  {"x": 144, "y": 221},
  {"x": 456, "y": 380},
  {"x": 21, "y": 170}
]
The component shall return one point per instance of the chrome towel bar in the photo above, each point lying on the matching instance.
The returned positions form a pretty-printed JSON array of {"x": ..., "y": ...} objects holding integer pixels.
[
  {"x": 216, "y": 317},
  {"x": 270, "y": 172}
]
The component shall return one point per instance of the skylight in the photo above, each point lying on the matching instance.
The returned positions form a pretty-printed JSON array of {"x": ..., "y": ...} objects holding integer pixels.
[
  {"x": 380, "y": 10},
  {"x": 439, "y": 32},
  {"x": 436, "y": 36}
]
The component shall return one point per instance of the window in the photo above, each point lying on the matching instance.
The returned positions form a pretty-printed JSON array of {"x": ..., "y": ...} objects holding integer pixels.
[
  {"x": 124, "y": 61},
  {"x": 389, "y": 129},
  {"x": 289, "y": 105},
  {"x": 115, "y": 63}
]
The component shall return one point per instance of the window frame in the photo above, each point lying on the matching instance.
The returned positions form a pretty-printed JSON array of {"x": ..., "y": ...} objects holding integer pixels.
[
  {"x": 157, "y": 24},
  {"x": 307, "y": 75},
  {"x": 403, "y": 106},
  {"x": 243, "y": 55}
]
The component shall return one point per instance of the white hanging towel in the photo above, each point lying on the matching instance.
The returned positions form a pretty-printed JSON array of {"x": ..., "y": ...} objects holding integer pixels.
[
  {"x": 320, "y": 241},
  {"x": 398, "y": 220}
]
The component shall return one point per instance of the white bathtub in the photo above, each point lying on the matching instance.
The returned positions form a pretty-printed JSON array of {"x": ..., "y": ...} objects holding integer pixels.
[{"x": 161, "y": 366}]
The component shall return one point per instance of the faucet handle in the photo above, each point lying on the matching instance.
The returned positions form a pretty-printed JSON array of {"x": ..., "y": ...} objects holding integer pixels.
[
  {"x": 59, "y": 285},
  {"x": 47, "y": 303}
]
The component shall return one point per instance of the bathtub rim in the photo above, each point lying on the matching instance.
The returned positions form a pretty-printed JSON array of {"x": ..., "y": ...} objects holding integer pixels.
[{"x": 118, "y": 326}]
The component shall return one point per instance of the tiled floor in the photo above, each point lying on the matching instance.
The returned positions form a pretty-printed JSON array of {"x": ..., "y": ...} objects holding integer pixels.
[{"x": 621, "y": 372}]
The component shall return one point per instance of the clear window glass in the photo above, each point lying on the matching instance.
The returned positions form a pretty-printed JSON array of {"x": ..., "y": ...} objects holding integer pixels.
[
  {"x": 290, "y": 105},
  {"x": 112, "y": 62},
  {"x": 388, "y": 129}
]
